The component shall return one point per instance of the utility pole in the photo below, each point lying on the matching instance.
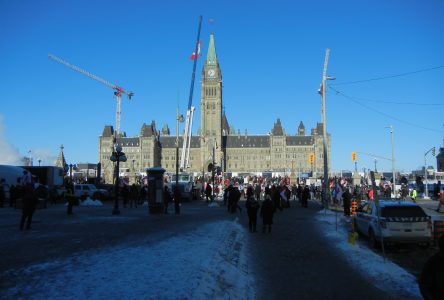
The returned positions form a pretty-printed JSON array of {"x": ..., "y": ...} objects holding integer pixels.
[
  {"x": 326, "y": 194},
  {"x": 425, "y": 171},
  {"x": 176, "y": 188},
  {"x": 393, "y": 159}
]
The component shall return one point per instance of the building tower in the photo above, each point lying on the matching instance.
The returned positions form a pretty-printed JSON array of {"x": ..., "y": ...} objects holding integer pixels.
[{"x": 211, "y": 107}]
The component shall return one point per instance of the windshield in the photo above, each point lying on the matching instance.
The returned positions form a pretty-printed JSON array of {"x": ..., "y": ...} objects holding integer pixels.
[
  {"x": 182, "y": 177},
  {"x": 402, "y": 211}
]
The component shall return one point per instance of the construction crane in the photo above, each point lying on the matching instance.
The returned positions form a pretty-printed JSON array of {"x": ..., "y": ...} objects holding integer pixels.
[
  {"x": 118, "y": 91},
  {"x": 185, "y": 155}
]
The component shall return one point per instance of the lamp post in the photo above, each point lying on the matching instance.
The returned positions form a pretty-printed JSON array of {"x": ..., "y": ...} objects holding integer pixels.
[
  {"x": 326, "y": 194},
  {"x": 70, "y": 172},
  {"x": 375, "y": 165},
  {"x": 393, "y": 159},
  {"x": 117, "y": 156},
  {"x": 134, "y": 171},
  {"x": 39, "y": 161},
  {"x": 213, "y": 169},
  {"x": 176, "y": 192}
]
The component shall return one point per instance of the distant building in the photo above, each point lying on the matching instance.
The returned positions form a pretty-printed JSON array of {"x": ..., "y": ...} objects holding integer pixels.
[{"x": 276, "y": 151}]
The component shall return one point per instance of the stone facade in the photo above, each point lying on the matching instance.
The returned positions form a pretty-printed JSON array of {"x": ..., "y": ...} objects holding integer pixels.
[{"x": 276, "y": 151}]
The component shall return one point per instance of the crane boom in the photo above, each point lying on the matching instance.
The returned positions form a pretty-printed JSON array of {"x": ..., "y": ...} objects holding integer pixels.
[
  {"x": 184, "y": 158},
  {"x": 118, "y": 91}
]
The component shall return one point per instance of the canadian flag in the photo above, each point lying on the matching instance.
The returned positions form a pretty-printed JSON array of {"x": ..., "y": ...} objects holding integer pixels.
[{"x": 193, "y": 56}]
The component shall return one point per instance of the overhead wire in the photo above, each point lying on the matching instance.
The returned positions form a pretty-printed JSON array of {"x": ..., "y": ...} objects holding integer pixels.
[
  {"x": 389, "y": 76},
  {"x": 397, "y": 102},
  {"x": 353, "y": 99}
]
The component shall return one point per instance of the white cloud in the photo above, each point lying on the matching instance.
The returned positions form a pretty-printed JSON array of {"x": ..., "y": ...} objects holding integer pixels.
[{"x": 10, "y": 154}]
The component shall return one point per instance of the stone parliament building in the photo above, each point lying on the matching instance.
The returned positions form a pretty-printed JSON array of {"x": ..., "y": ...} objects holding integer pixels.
[{"x": 276, "y": 151}]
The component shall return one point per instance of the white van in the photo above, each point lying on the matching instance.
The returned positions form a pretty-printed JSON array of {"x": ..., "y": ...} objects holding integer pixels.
[{"x": 88, "y": 190}]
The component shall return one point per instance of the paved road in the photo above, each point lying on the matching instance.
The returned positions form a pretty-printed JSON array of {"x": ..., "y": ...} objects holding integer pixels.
[{"x": 293, "y": 262}]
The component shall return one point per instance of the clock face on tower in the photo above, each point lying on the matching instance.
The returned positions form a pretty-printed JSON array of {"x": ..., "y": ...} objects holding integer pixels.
[{"x": 211, "y": 73}]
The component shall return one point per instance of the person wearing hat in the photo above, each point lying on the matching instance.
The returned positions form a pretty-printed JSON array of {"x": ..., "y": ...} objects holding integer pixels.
[{"x": 431, "y": 280}]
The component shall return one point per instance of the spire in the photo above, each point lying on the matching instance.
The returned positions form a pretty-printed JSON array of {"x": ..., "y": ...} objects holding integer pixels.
[
  {"x": 211, "y": 55},
  {"x": 277, "y": 129},
  {"x": 301, "y": 129},
  {"x": 61, "y": 162}
]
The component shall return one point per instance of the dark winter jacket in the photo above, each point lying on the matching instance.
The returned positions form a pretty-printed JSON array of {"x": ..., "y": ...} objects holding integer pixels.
[
  {"x": 431, "y": 280},
  {"x": 29, "y": 201},
  {"x": 252, "y": 207},
  {"x": 267, "y": 210}
]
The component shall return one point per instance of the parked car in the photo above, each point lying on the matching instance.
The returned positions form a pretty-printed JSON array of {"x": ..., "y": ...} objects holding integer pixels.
[
  {"x": 88, "y": 190},
  {"x": 399, "y": 222}
]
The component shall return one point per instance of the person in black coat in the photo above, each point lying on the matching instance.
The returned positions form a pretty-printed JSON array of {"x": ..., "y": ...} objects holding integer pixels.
[
  {"x": 208, "y": 193},
  {"x": 305, "y": 196},
  {"x": 346, "y": 198},
  {"x": 29, "y": 201},
  {"x": 267, "y": 211},
  {"x": 167, "y": 198},
  {"x": 431, "y": 280},
  {"x": 252, "y": 207}
]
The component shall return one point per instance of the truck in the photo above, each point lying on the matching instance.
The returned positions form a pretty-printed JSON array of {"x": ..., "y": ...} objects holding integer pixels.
[
  {"x": 186, "y": 185},
  {"x": 47, "y": 175}
]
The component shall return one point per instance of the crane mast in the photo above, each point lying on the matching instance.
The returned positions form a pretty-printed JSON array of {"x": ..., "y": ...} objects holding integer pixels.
[
  {"x": 118, "y": 91},
  {"x": 185, "y": 155}
]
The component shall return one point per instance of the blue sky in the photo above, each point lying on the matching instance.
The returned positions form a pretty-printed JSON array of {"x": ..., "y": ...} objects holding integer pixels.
[{"x": 271, "y": 54}]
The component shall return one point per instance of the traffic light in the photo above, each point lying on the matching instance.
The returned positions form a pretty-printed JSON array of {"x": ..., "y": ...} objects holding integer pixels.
[
  {"x": 311, "y": 157},
  {"x": 354, "y": 156},
  {"x": 433, "y": 151}
]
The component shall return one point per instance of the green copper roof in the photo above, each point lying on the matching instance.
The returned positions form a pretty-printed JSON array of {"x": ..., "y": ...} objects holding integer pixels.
[{"x": 211, "y": 55}]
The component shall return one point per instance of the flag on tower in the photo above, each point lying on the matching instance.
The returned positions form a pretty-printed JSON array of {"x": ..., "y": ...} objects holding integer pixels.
[{"x": 193, "y": 56}]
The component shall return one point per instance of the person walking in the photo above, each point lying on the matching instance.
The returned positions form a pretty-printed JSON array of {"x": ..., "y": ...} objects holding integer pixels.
[
  {"x": 267, "y": 211},
  {"x": 414, "y": 194},
  {"x": 166, "y": 199},
  {"x": 134, "y": 195},
  {"x": 432, "y": 275},
  {"x": 294, "y": 192},
  {"x": 276, "y": 197},
  {"x": 252, "y": 206},
  {"x": 305, "y": 196},
  {"x": 70, "y": 198},
  {"x": 29, "y": 204},
  {"x": 208, "y": 192},
  {"x": 346, "y": 198},
  {"x": 257, "y": 191},
  {"x": 441, "y": 200}
]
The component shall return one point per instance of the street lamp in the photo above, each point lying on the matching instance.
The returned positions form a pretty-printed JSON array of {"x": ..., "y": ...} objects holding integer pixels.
[
  {"x": 176, "y": 192},
  {"x": 393, "y": 159},
  {"x": 375, "y": 165},
  {"x": 70, "y": 172},
  {"x": 39, "y": 161},
  {"x": 117, "y": 156},
  {"x": 322, "y": 91}
]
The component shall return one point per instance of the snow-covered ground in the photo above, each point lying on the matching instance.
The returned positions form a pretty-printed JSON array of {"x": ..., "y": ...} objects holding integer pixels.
[
  {"x": 210, "y": 262},
  {"x": 386, "y": 275}
]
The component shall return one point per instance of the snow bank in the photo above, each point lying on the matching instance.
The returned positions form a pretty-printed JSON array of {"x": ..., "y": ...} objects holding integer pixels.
[
  {"x": 91, "y": 202},
  {"x": 208, "y": 263},
  {"x": 387, "y": 276}
]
